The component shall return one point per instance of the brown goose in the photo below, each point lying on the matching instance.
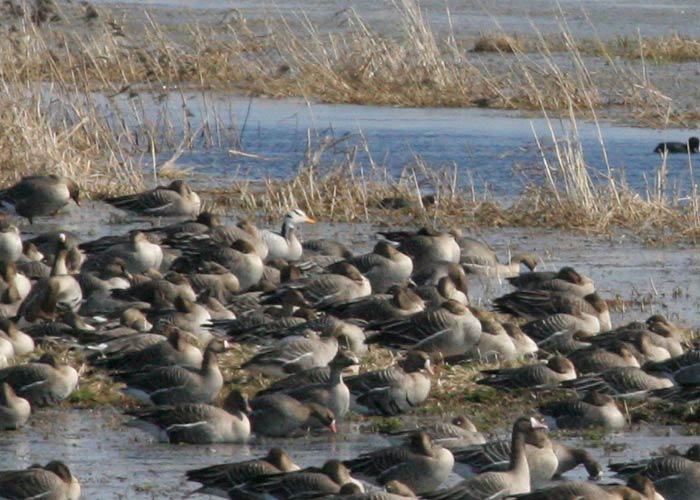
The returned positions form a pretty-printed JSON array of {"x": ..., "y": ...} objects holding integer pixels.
[
  {"x": 39, "y": 195},
  {"x": 426, "y": 246},
  {"x": 14, "y": 411},
  {"x": 592, "y": 410},
  {"x": 446, "y": 289},
  {"x": 458, "y": 432},
  {"x": 579, "y": 490},
  {"x": 385, "y": 266},
  {"x": 293, "y": 354},
  {"x": 569, "y": 458},
  {"x": 198, "y": 423},
  {"x": 174, "y": 200},
  {"x": 402, "y": 302},
  {"x": 622, "y": 381},
  {"x": 42, "y": 383},
  {"x": 10, "y": 242},
  {"x": 219, "y": 479},
  {"x": 536, "y": 376},
  {"x": 515, "y": 480},
  {"x": 596, "y": 360},
  {"x": 54, "y": 481},
  {"x": 279, "y": 415},
  {"x": 565, "y": 280},
  {"x": 420, "y": 464}
]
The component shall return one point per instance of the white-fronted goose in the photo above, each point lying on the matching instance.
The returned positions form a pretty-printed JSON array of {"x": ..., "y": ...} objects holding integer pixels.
[
  {"x": 198, "y": 423},
  {"x": 514, "y": 480},
  {"x": 494, "y": 342},
  {"x": 341, "y": 283},
  {"x": 579, "y": 490},
  {"x": 433, "y": 274},
  {"x": 569, "y": 458},
  {"x": 524, "y": 345},
  {"x": 670, "y": 463},
  {"x": 385, "y": 266},
  {"x": 243, "y": 230},
  {"x": 285, "y": 244},
  {"x": 14, "y": 411},
  {"x": 293, "y": 354},
  {"x": 138, "y": 254},
  {"x": 174, "y": 200},
  {"x": 446, "y": 289},
  {"x": 426, "y": 246},
  {"x": 279, "y": 415},
  {"x": 536, "y": 376},
  {"x": 22, "y": 343},
  {"x": 171, "y": 385},
  {"x": 567, "y": 280},
  {"x": 41, "y": 383},
  {"x": 420, "y": 464},
  {"x": 393, "y": 390},
  {"x": 622, "y": 381},
  {"x": 593, "y": 410},
  {"x": 54, "y": 481},
  {"x": 219, "y": 479},
  {"x": 39, "y": 195},
  {"x": 458, "y": 432},
  {"x": 451, "y": 330},
  {"x": 595, "y": 360},
  {"x": 402, "y": 302},
  {"x": 10, "y": 242},
  {"x": 479, "y": 258},
  {"x": 214, "y": 280}
]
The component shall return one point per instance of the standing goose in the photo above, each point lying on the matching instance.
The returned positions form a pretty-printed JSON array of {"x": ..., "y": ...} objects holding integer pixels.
[
  {"x": 54, "y": 481},
  {"x": 515, "y": 480},
  {"x": 279, "y": 415},
  {"x": 592, "y": 410},
  {"x": 219, "y": 479},
  {"x": 451, "y": 330},
  {"x": 420, "y": 464},
  {"x": 14, "y": 411},
  {"x": 39, "y": 195},
  {"x": 174, "y": 200},
  {"x": 535, "y": 376},
  {"x": 285, "y": 244},
  {"x": 385, "y": 266},
  {"x": 198, "y": 423},
  {"x": 172, "y": 385},
  {"x": 42, "y": 383}
]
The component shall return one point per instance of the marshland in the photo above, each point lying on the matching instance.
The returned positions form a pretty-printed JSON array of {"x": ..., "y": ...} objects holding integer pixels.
[{"x": 530, "y": 127}]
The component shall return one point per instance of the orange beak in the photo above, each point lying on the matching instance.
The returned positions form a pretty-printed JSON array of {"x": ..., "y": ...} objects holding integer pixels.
[{"x": 310, "y": 220}]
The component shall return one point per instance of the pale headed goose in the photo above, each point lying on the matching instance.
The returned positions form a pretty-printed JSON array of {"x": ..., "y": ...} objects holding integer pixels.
[
  {"x": 39, "y": 195},
  {"x": 285, "y": 244},
  {"x": 53, "y": 481},
  {"x": 14, "y": 410},
  {"x": 279, "y": 415},
  {"x": 420, "y": 464},
  {"x": 174, "y": 200},
  {"x": 514, "y": 480},
  {"x": 169, "y": 385},
  {"x": 592, "y": 410},
  {"x": 535, "y": 376},
  {"x": 41, "y": 383},
  {"x": 451, "y": 330},
  {"x": 198, "y": 423},
  {"x": 385, "y": 266},
  {"x": 219, "y": 479}
]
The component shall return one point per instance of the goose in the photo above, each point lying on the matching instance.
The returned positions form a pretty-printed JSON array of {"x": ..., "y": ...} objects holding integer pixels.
[
  {"x": 293, "y": 354},
  {"x": 401, "y": 302},
  {"x": 52, "y": 481},
  {"x": 524, "y": 345},
  {"x": 569, "y": 458},
  {"x": 393, "y": 490},
  {"x": 692, "y": 146},
  {"x": 22, "y": 343},
  {"x": 595, "y": 360},
  {"x": 385, "y": 266},
  {"x": 566, "y": 280},
  {"x": 535, "y": 376},
  {"x": 451, "y": 330},
  {"x": 42, "y": 383},
  {"x": 7, "y": 351},
  {"x": 279, "y": 415},
  {"x": 433, "y": 274},
  {"x": 50, "y": 243},
  {"x": 333, "y": 394},
  {"x": 112, "y": 274},
  {"x": 221, "y": 478},
  {"x": 243, "y": 230},
  {"x": 285, "y": 244},
  {"x": 187, "y": 315},
  {"x": 165, "y": 290},
  {"x": 174, "y": 200},
  {"x": 311, "y": 482},
  {"x": 214, "y": 280},
  {"x": 590, "y": 491},
  {"x": 10, "y": 242},
  {"x": 14, "y": 410},
  {"x": 169, "y": 385},
  {"x": 668, "y": 464},
  {"x": 515, "y": 480},
  {"x": 621, "y": 381},
  {"x": 494, "y": 342},
  {"x": 138, "y": 254},
  {"x": 198, "y": 423},
  {"x": 458, "y": 432},
  {"x": 478, "y": 257},
  {"x": 393, "y": 390},
  {"x": 426, "y": 246},
  {"x": 420, "y": 464},
  {"x": 38, "y": 195},
  {"x": 592, "y": 410},
  {"x": 446, "y": 289}
]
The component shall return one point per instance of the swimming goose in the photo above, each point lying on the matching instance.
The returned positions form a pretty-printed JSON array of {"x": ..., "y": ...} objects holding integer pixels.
[
  {"x": 174, "y": 200},
  {"x": 10, "y": 242},
  {"x": 306, "y": 483},
  {"x": 219, "y": 479},
  {"x": 285, "y": 244},
  {"x": 458, "y": 432},
  {"x": 279, "y": 415},
  {"x": 535, "y": 376},
  {"x": 385, "y": 266},
  {"x": 420, "y": 464},
  {"x": 692, "y": 146},
  {"x": 621, "y": 381},
  {"x": 515, "y": 480},
  {"x": 53, "y": 481},
  {"x": 14, "y": 410},
  {"x": 171, "y": 385},
  {"x": 293, "y": 354},
  {"x": 42, "y": 383},
  {"x": 451, "y": 330},
  {"x": 426, "y": 246},
  {"x": 592, "y": 410},
  {"x": 566, "y": 280},
  {"x": 39, "y": 195},
  {"x": 393, "y": 390},
  {"x": 401, "y": 302},
  {"x": 333, "y": 394},
  {"x": 198, "y": 423}
]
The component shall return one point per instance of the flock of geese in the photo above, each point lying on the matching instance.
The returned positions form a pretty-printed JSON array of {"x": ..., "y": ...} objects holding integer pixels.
[{"x": 139, "y": 308}]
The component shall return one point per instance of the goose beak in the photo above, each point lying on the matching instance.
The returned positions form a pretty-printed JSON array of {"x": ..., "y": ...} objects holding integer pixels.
[
  {"x": 333, "y": 427},
  {"x": 310, "y": 220},
  {"x": 536, "y": 424},
  {"x": 429, "y": 367}
]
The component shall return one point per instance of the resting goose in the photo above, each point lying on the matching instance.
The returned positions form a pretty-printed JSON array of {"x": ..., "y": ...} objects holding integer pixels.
[
  {"x": 592, "y": 410},
  {"x": 52, "y": 481},
  {"x": 285, "y": 244},
  {"x": 293, "y": 354},
  {"x": 385, "y": 266},
  {"x": 42, "y": 383},
  {"x": 402, "y": 302},
  {"x": 279, "y": 415},
  {"x": 536, "y": 376},
  {"x": 622, "y": 381},
  {"x": 426, "y": 246},
  {"x": 458, "y": 432},
  {"x": 566, "y": 280},
  {"x": 14, "y": 411},
  {"x": 174, "y": 200},
  {"x": 39, "y": 195}
]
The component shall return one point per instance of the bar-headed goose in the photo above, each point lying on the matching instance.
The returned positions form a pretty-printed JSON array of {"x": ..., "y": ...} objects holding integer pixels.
[{"x": 285, "y": 244}]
